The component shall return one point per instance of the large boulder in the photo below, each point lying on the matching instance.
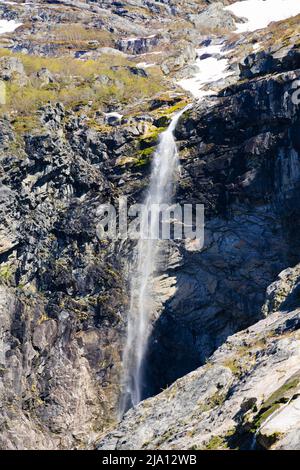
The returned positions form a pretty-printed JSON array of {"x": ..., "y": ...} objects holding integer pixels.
[{"x": 214, "y": 17}]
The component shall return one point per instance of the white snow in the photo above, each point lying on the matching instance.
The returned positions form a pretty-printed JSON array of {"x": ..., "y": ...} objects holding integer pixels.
[
  {"x": 136, "y": 38},
  {"x": 113, "y": 114},
  {"x": 7, "y": 26},
  {"x": 210, "y": 69},
  {"x": 144, "y": 65},
  {"x": 256, "y": 46},
  {"x": 260, "y": 13},
  {"x": 212, "y": 49}
]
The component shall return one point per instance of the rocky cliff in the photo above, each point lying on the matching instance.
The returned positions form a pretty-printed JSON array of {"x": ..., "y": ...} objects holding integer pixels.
[
  {"x": 85, "y": 106},
  {"x": 246, "y": 396}
]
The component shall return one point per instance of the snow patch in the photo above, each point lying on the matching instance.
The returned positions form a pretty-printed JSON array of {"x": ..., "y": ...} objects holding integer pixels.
[
  {"x": 260, "y": 13},
  {"x": 137, "y": 38},
  {"x": 144, "y": 65},
  {"x": 210, "y": 69},
  {"x": 211, "y": 49},
  {"x": 8, "y": 26},
  {"x": 113, "y": 115}
]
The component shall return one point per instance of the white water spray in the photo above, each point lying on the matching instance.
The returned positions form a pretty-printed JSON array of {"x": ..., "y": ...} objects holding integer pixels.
[{"x": 161, "y": 189}]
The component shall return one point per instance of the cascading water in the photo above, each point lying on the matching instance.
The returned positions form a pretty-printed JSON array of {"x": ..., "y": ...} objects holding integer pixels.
[{"x": 161, "y": 189}]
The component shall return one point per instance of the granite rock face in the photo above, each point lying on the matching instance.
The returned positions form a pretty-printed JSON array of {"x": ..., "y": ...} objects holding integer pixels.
[
  {"x": 246, "y": 172},
  {"x": 245, "y": 397}
]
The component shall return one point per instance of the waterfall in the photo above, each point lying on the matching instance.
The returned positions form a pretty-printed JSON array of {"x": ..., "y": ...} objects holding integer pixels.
[{"x": 161, "y": 190}]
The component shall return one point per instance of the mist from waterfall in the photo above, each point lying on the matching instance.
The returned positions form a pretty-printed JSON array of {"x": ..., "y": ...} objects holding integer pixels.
[{"x": 161, "y": 189}]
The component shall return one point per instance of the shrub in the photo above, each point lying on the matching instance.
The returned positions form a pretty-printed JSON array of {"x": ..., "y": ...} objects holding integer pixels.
[
  {"x": 25, "y": 99},
  {"x": 76, "y": 83},
  {"x": 78, "y": 33}
]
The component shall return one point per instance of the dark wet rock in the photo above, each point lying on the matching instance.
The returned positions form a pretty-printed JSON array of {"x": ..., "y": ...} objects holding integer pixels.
[
  {"x": 57, "y": 322},
  {"x": 267, "y": 62}
]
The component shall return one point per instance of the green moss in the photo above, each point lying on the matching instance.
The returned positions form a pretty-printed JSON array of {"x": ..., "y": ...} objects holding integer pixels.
[
  {"x": 142, "y": 158},
  {"x": 280, "y": 395},
  {"x": 26, "y": 99},
  {"x": 166, "y": 436},
  {"x": 234, "y": 366},
  {"x": 151, "y": 138},
  {"x": 162, "y": 121},
  {"x": 274, "y": 402},
  {"x": 6, "y": 274},
  {"x": 147, "y": 151},
  {"x": 141, "y": 162},
  {"x": 81, "y": 316},
  {"x": 216, "y": 443},
  {"x": 220, "y": 442}
]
